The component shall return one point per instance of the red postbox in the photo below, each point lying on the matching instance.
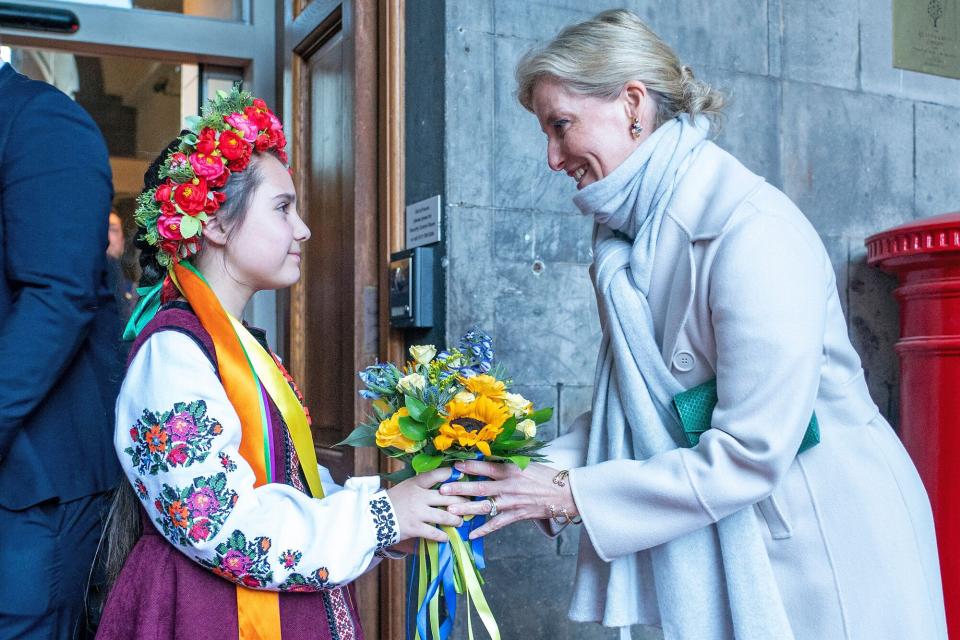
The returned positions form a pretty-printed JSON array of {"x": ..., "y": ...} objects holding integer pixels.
[{"x": 925, "y": 256}]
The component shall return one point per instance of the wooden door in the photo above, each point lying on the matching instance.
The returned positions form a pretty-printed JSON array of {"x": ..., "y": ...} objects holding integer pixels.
[{"x": 341, "y": 85}]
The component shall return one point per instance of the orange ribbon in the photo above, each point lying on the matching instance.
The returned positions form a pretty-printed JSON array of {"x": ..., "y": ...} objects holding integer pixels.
[{"x": 258, "y": 612}]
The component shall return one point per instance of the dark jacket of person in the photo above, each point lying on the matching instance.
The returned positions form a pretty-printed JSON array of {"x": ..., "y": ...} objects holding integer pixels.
[{"x": 59, "y": 359}]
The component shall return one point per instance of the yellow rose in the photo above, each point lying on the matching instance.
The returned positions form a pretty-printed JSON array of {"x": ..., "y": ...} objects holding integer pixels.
[
  {"x": 411, "y": 383},
  {"x": 465, "y": 397},
  {"x": 389, "y": 434},
  {"x": 423, "y": 353},
  {"x": 528, "y": 427},
  {"x": 517, "y": 404}
]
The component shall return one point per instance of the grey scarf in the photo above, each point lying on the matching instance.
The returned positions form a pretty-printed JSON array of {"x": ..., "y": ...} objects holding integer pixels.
[{"x": 715, "y": 583}]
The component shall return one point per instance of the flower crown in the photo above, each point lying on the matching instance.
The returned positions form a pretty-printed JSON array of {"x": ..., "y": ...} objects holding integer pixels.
[{"x": 217, "y": 144}]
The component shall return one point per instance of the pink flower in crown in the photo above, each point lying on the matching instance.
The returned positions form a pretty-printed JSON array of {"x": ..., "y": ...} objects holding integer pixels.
[
  {"x": 181, "y": 426},
  {"x": 178, "y": 160},
  {"x": 242, "y": 123},
  {"x": 200, "y": 531},
  {"x": 206, "y": 166},
  {"x": 236, "y": 562},
  {"x": 169, "y": 227},
  {"x": 275, "y": 124},
  {"x": 203, "y": 502}
]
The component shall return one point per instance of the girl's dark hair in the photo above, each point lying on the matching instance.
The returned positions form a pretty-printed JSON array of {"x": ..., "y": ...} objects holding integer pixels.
[{"x": 238, "y": 191}]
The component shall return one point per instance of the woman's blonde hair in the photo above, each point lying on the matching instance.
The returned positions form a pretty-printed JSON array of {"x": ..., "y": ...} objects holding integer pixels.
[{"x": 597, "y": 57}]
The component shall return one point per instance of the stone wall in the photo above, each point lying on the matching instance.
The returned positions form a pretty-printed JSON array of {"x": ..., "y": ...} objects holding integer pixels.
[{"x": 817, "y": 108}]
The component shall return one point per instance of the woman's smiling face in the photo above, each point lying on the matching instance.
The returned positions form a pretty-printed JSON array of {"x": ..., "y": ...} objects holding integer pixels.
[{"x": 587, "y": 137}]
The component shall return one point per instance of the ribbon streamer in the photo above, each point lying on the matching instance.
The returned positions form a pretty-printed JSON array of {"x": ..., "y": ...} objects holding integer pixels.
[{"x": 444, "y": 570}]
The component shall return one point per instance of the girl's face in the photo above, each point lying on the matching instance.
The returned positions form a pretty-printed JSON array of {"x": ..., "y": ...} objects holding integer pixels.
[
  {"x": 587, "y": 137},
  {"x": 264, "y": 252}
]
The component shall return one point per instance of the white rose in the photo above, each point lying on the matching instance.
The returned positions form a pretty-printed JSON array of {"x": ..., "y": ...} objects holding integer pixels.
[
  {"x": 465, "y": 397},
  {"x": 528, "y": 427},
  {"x": 411, "y": 383},
  {"x": 517, "y": 404},
  {"x": 423, "y": 353}
]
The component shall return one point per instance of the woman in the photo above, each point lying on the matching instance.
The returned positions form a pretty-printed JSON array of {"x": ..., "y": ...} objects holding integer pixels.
[
  {"x": 240, "y": 536},
  {"x": 703, "y": 271}
]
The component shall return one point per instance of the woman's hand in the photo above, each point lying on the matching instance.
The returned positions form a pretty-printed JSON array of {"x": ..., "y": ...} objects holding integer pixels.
[
  {"x": 415, "y": 505},
  {"x": 520, "y": 495}
]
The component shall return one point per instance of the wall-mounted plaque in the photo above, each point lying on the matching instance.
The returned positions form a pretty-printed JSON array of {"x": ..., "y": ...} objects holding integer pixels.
[{"x": 926, "y": 36}]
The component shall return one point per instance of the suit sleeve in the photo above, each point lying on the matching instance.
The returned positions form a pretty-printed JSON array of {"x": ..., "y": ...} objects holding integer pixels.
[
  {"x": 178, "y": 438},
  {"x": 768, "y": 302},
  {"x": 56, "y": 192}
]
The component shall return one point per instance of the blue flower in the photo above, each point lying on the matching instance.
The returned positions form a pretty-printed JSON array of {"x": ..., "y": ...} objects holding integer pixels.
[
  {"x": 478, "y": 347},
  {"x": 380, "y": 379}
]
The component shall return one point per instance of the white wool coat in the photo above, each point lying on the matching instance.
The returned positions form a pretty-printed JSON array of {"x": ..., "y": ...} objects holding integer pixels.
[{"x": 744, "y": 291}]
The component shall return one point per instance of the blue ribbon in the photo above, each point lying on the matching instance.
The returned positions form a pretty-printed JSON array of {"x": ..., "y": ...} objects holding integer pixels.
[{"x": 445, "y": 575}]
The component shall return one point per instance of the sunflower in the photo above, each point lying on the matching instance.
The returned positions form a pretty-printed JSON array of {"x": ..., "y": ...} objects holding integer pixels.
[
  {"x": 485, "y": 385},
  {"x": 474, "y": 424}
]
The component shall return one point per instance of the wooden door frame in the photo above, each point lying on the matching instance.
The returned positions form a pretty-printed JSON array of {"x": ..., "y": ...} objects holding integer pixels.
[
  {"x": 392, "y": 239},
  {"x": 374, "y": 189}
]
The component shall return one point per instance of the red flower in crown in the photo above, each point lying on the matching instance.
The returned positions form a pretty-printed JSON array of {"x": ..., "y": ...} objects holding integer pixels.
[
  {"x": 221, "y": 180},
  {"x": 214, "y": 201},
  {"x": 263, "y": 142},
  {"x": 191, "y": 196},
  {"x": 207, "y": 141},
  {"x": 258, "y": 116},
  {"x": 236, "y": 150},
  {"x": 163, "y": 192}
]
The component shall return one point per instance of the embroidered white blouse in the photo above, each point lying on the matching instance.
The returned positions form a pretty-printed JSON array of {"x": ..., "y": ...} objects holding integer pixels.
[{"x": 177, "y": 436}]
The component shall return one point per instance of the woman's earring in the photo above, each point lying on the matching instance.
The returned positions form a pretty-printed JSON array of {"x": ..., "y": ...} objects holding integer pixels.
[{"x": 636, "y": 128}]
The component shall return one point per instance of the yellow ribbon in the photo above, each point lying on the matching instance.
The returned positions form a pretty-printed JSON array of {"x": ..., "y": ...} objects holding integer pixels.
[
  {"x": 286, "y": 400},
  {"x": 471, "y": 579}
]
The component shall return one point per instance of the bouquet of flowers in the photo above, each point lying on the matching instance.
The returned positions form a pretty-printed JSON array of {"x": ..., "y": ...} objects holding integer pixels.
[{"x": 440, "y": 408}]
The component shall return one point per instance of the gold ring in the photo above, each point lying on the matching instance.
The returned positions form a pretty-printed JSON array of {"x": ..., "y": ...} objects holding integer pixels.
[{"x": 493, "y": 507}]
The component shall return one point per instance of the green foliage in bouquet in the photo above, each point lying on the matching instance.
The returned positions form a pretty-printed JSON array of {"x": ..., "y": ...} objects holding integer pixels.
[{"x": 448, "y": 406}]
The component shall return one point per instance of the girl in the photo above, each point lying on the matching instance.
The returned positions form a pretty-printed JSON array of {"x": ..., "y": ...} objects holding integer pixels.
[{"x": 210, "y": 428}]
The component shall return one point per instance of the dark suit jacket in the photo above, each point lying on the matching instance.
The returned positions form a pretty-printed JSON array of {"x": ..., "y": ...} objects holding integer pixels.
[{"x": 59, "y": 358}]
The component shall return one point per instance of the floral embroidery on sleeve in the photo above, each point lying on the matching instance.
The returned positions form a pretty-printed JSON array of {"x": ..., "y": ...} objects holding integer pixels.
[
  {"x": 227, "y": 462},
  {"x": 195, "y": 513},
  {"x": 141, "y": 489},
  {"x": 384, "y": 521},
  {"x": 290, "y": 558},
  {"x": 175, "y": 438},
  {"x": 316, "y": 581},
  {"x": 242, "y": 561}
]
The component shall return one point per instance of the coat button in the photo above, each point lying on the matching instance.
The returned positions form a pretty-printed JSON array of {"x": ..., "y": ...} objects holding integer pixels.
[{"x": 683, "y": 361}]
